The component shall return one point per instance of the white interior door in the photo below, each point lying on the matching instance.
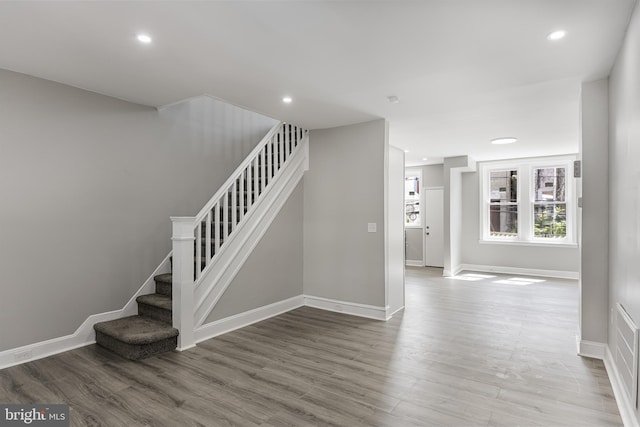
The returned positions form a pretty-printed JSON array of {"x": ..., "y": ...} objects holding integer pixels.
[{"x": 434, "y": 227}]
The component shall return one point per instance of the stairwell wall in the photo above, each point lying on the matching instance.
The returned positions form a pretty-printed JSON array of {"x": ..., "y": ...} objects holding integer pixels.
[
  {"x": 343, "y": 193},
  {"x": 88, "y": 184},
  {"x": 273, "y": 271}
]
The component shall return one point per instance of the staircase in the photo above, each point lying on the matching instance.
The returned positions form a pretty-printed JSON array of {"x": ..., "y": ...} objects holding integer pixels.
[
  {"x": 147, "y": 334},
  {"x": 209, "y": 249}
]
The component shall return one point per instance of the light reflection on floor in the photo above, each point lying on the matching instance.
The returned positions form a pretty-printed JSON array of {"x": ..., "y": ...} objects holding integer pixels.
[{"x": 475, "y": 277}]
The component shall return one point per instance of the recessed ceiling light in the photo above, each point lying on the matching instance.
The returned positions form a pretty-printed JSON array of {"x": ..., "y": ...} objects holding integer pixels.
[
  {"x": 557, "y": 35},
  {"x": 393, "y": 99},
  {"x": 144, "y": 38},
  {"x": 287, "y": 100},
  {"x": 504, "y": 140},
  {"x": 424, "y": 158}
]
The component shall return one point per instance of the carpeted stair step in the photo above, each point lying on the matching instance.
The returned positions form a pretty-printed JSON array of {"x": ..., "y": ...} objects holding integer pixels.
[
  {"x": 136, "y": 337},
  {"x": 155, "y": 306},
  {"x": 164, "y": 284}
]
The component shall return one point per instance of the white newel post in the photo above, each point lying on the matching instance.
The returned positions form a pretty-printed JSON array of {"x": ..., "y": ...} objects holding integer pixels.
[{"x": 182, "y": 280}]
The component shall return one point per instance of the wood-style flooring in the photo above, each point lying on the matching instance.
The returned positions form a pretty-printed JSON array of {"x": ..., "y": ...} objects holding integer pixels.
[{"x": 464, "y": 352}]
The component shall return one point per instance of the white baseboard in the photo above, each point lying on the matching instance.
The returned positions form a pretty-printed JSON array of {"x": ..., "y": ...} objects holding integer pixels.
[
  {"x": 626, "y": 408},
  {"x": 84, "y": 335},
  {"x": 354, "y": 309},
  {"x": 558, "y": 274},
  {"x": 453, "y": 272},
  {"x": 390, "y": 315},
  {"x": 592, "y": 349},
  {"x": 413, "y": 263},
  {"x": 228, "y": 324}
]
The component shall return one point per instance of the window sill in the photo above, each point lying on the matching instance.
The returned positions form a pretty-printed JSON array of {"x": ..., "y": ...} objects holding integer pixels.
[{"x": 529, "y": 243}]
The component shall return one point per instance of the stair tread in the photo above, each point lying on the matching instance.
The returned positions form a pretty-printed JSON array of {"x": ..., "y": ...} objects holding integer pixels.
[
  {"x": 136, "y": 330},
  {"x": 165, "y": 278},
  {"x": 156, "y": 300}
]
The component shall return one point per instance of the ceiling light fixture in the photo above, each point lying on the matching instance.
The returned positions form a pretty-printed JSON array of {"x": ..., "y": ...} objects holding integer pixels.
[
  {"x": 144, "y": 38},
  {"x": 406, "y": 151},
  {"x": 557, "y": 35},
  {"x": 425, "y": 159},
  {"x": 287, "y": 100},
  {"x": 504, "y": 140},
  {"x": 393, "y": 99}
]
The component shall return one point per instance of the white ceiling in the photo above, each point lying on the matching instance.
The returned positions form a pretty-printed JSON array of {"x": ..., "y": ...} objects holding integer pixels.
[{"x": 466, "y": 71}]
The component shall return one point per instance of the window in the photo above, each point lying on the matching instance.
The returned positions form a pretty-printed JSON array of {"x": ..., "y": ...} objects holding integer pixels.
[
  {"x": 503, "y": 206},
  {"x": 412, "y": 198},
  {"x": 528, "y": 201},
  {"x": 550, "y": 204}
]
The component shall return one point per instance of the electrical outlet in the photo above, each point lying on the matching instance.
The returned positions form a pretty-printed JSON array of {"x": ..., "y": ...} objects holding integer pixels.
[{"x": 21, "y": 356}]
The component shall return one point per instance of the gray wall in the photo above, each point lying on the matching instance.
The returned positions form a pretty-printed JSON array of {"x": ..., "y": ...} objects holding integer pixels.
[
  {"x": 454, "y": 169},
  {"x": 88, "y": 184},
  {"x": 432, "y": 175},
  {"x": 519, "y": 256},
  {"x": 624, "y": 178},
  {"x": 394, "y": 225},
  {"x": 413, "y": 244},
  {"x": 594, "y": 245},
  {"x": 343, "y": 191},
  {"x": 273, "y": 271}
]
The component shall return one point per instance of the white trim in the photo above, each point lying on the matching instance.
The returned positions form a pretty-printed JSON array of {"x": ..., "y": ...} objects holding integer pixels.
[
  {"x": 229, "y": 324},
  {"x": 454, "y": 271},
  {"x": 558, "y": 274},
  {"x": 84, "y": 335},
  {"x": 592, "y": 349},
  {"x": 537, "y": 243},
  {"x": 390, "y": 315},
  {"x": 414, "y": 262},
  {"x": 626, "y": 408},
  {"x": 352, "y": 308},
  {"x": 219, "y": 274}
]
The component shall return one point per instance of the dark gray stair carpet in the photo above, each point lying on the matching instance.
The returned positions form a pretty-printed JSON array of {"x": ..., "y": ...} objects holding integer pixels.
[
  {"x": 155, "y": 306},
  {"x": 147, "y": 334},
  {"x": 164, "y": 284},
  {"x": 136, "y": 337}
]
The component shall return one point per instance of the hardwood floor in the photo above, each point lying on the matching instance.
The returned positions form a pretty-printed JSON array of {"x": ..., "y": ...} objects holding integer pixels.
[{"x": 464, "y": 352}]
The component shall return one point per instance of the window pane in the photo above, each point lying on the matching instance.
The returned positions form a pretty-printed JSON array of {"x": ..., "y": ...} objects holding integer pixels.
[
  {"x": 549, "y": 184},
  {"x": 503, "y": 221},
  {"x": 412, "y": 200},
  {"x": 504, "y": 186},
  {"x": 412, "y": 212},
  {"x": 550, "y": 220}
]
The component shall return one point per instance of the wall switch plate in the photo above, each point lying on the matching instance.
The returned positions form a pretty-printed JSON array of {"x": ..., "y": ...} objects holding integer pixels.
[{"x": 372, "y": 227}]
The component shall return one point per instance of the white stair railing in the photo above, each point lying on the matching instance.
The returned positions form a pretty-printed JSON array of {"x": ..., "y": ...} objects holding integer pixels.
[{"x": 199, "y": 240}]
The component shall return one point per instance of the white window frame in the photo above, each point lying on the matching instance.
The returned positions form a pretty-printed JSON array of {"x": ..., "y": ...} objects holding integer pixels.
[{"x": 526, "y": 200}]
